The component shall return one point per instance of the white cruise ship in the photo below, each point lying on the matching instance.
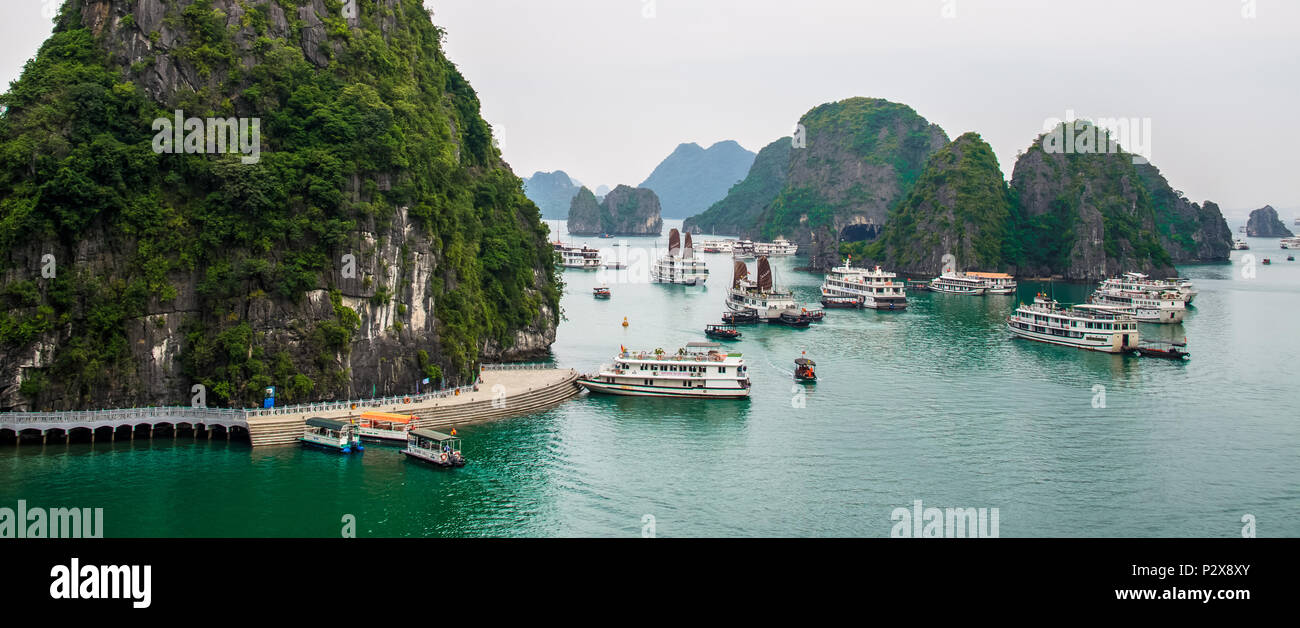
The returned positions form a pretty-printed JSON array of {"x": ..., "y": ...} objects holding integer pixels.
[
  {"x": 995, "y": 283},
  {"x": 579, "y": 257},
  {"x": 875, "y": 288},
  {"x": 748, "y": 295},
  {"x": 742, "y": 249},
  {"x": 1141, "y": 283},
  {"x": 958, "y": 283},
  {"x": 1290, "y": 243},
  {"x": 1093, "y": 327},
  {"x": 1165, "y": 307},
  {"x": 776, "y": 248},
  {"x": 700, "y": 370},
  {"x": 715, "y": 246},
  {"x": 679, "y": 265},
  {"x": 1239, "y": 244}
]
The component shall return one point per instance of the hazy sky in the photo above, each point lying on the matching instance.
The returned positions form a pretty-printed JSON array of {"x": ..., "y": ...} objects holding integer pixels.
[{"x": 605, "y": 89}]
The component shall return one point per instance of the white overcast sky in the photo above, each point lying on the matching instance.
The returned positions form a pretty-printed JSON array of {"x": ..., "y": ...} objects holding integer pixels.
[{"x": 605, "y": 89}]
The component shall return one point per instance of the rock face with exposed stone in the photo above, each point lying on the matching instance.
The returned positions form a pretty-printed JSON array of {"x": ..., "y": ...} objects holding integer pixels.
[{"x": 1264, "y": 223}]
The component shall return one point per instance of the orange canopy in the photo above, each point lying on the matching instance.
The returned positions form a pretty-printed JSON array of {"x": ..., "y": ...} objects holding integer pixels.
[{"x": 387, "y": 417}]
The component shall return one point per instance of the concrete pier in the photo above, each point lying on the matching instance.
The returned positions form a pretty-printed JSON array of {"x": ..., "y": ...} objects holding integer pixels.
[{"x": 502, "y": 394}]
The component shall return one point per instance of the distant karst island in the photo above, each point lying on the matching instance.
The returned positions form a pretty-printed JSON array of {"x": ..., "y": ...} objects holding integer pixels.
[{"x": 625, "y": 211}]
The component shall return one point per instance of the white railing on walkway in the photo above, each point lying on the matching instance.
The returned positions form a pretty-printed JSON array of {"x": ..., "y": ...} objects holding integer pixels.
[{"x": 186, "y": 414}]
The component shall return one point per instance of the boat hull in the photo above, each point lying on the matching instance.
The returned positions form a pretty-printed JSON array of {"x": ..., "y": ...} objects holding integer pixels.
[
  {"x": 637, "y": 390},
  {"x": 1108, "y": 345}
]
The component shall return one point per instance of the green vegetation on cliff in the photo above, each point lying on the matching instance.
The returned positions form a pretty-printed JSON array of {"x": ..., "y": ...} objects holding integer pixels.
[
  {"x": 386, "y": 128},
  {"x": 737, "y": 213},
  {"x": 960, "y": 205}
]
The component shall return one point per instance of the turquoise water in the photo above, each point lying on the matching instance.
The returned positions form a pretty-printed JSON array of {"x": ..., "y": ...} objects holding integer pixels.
[{"x": 937, "y": 404}]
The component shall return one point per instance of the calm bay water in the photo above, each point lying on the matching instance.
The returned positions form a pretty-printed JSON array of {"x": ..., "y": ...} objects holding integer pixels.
[{"x": 937, "y": 403}]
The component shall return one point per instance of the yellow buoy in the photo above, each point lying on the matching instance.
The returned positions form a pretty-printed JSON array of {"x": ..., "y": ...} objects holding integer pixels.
[{"x": 625, "y": 321}]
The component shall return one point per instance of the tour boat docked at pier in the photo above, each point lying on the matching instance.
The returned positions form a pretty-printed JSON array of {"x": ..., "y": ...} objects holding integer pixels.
[
  {"x": 1165, "y": 306},
  {"x": 340, "y": 436},
  {"x": 875, "y": 288},
  {"x": 435, "y": 448},
  {"x": 385, "y": 426},
  {"x": 759, "y": 297},
  {"x": 1098, "y": 328},
  {"x": 700, "y": 370},
  {"x": 679, "y": 265}
]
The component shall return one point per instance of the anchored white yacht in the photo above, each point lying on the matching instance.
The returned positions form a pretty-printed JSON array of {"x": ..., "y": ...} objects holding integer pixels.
[
  {"x": 679, "y": 265},
  {"x": 1093, "y": 327},
  {"x": 700, "y": 370},
  {"x": 875, "y": 288}
]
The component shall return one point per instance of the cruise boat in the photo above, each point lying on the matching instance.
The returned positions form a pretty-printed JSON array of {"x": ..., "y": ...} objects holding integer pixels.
[
  {"x": 875, "y": 288},
  {"x": 679, "y": 265},
  {"x": 742, "y": 249},
  {"x": 1239, "y": 244},
  {"x": 701, "y": 370},
  {"x": 758, "y": 296},
  {"x": 995, "y": 283},
  {"x": 775, "y": 248},
  {"x": 1290, "y": 243},
  {"x": 579, "y": 257},
  {"x": 1093, "y": 327},
  {"x": 715, "y": 246},
  {"x": 1165, "y": 307},
  {"x": 384, "y": 426},
  {"x": 340, "y": 436},
  {"x": 435, "y": 448},
  {"x": 958, "y": 283},
  {"x": 1138, "y": 282}
]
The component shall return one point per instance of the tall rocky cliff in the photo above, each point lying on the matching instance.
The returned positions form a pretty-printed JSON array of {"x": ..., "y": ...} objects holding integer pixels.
[
  {"x": 377, "y": 239},
  {"x": 1083, "y": 215},
  {"x": 625, "y": 211},
  {"x": 1188, "y": 231},
  {"x": 960, "y": 206},
  {"x": 692, "y": 178},
  {"x": 1264, "y": 223}
]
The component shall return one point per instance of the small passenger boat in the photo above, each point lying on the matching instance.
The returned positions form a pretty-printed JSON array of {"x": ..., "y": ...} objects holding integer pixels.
[
  {"x": 841, "y": 302},
  {"x": 805, "y": 370},
  {"x": 384, "y": 426},
  {"x": 722, "y": 332},
  {"x": 601, "y": 292},
  {"x": 1167, "y": 350},
  {"x": 340, "y": 436},
  {"x": 435, "y": 448},
  {"x": 791, "y": 318},
  {"x": 740, "y": 318}
]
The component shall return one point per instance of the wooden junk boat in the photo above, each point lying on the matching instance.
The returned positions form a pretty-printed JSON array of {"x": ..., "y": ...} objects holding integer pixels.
[
  {"x": 1167, "y": 350},
  {"x": 722, "y": 332},
  {"x": 841, "y": 302},
  {"x": 805, "y": 370},
  {"x": 435, "y": 448},
  {"x": 740, "y": 318}
]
